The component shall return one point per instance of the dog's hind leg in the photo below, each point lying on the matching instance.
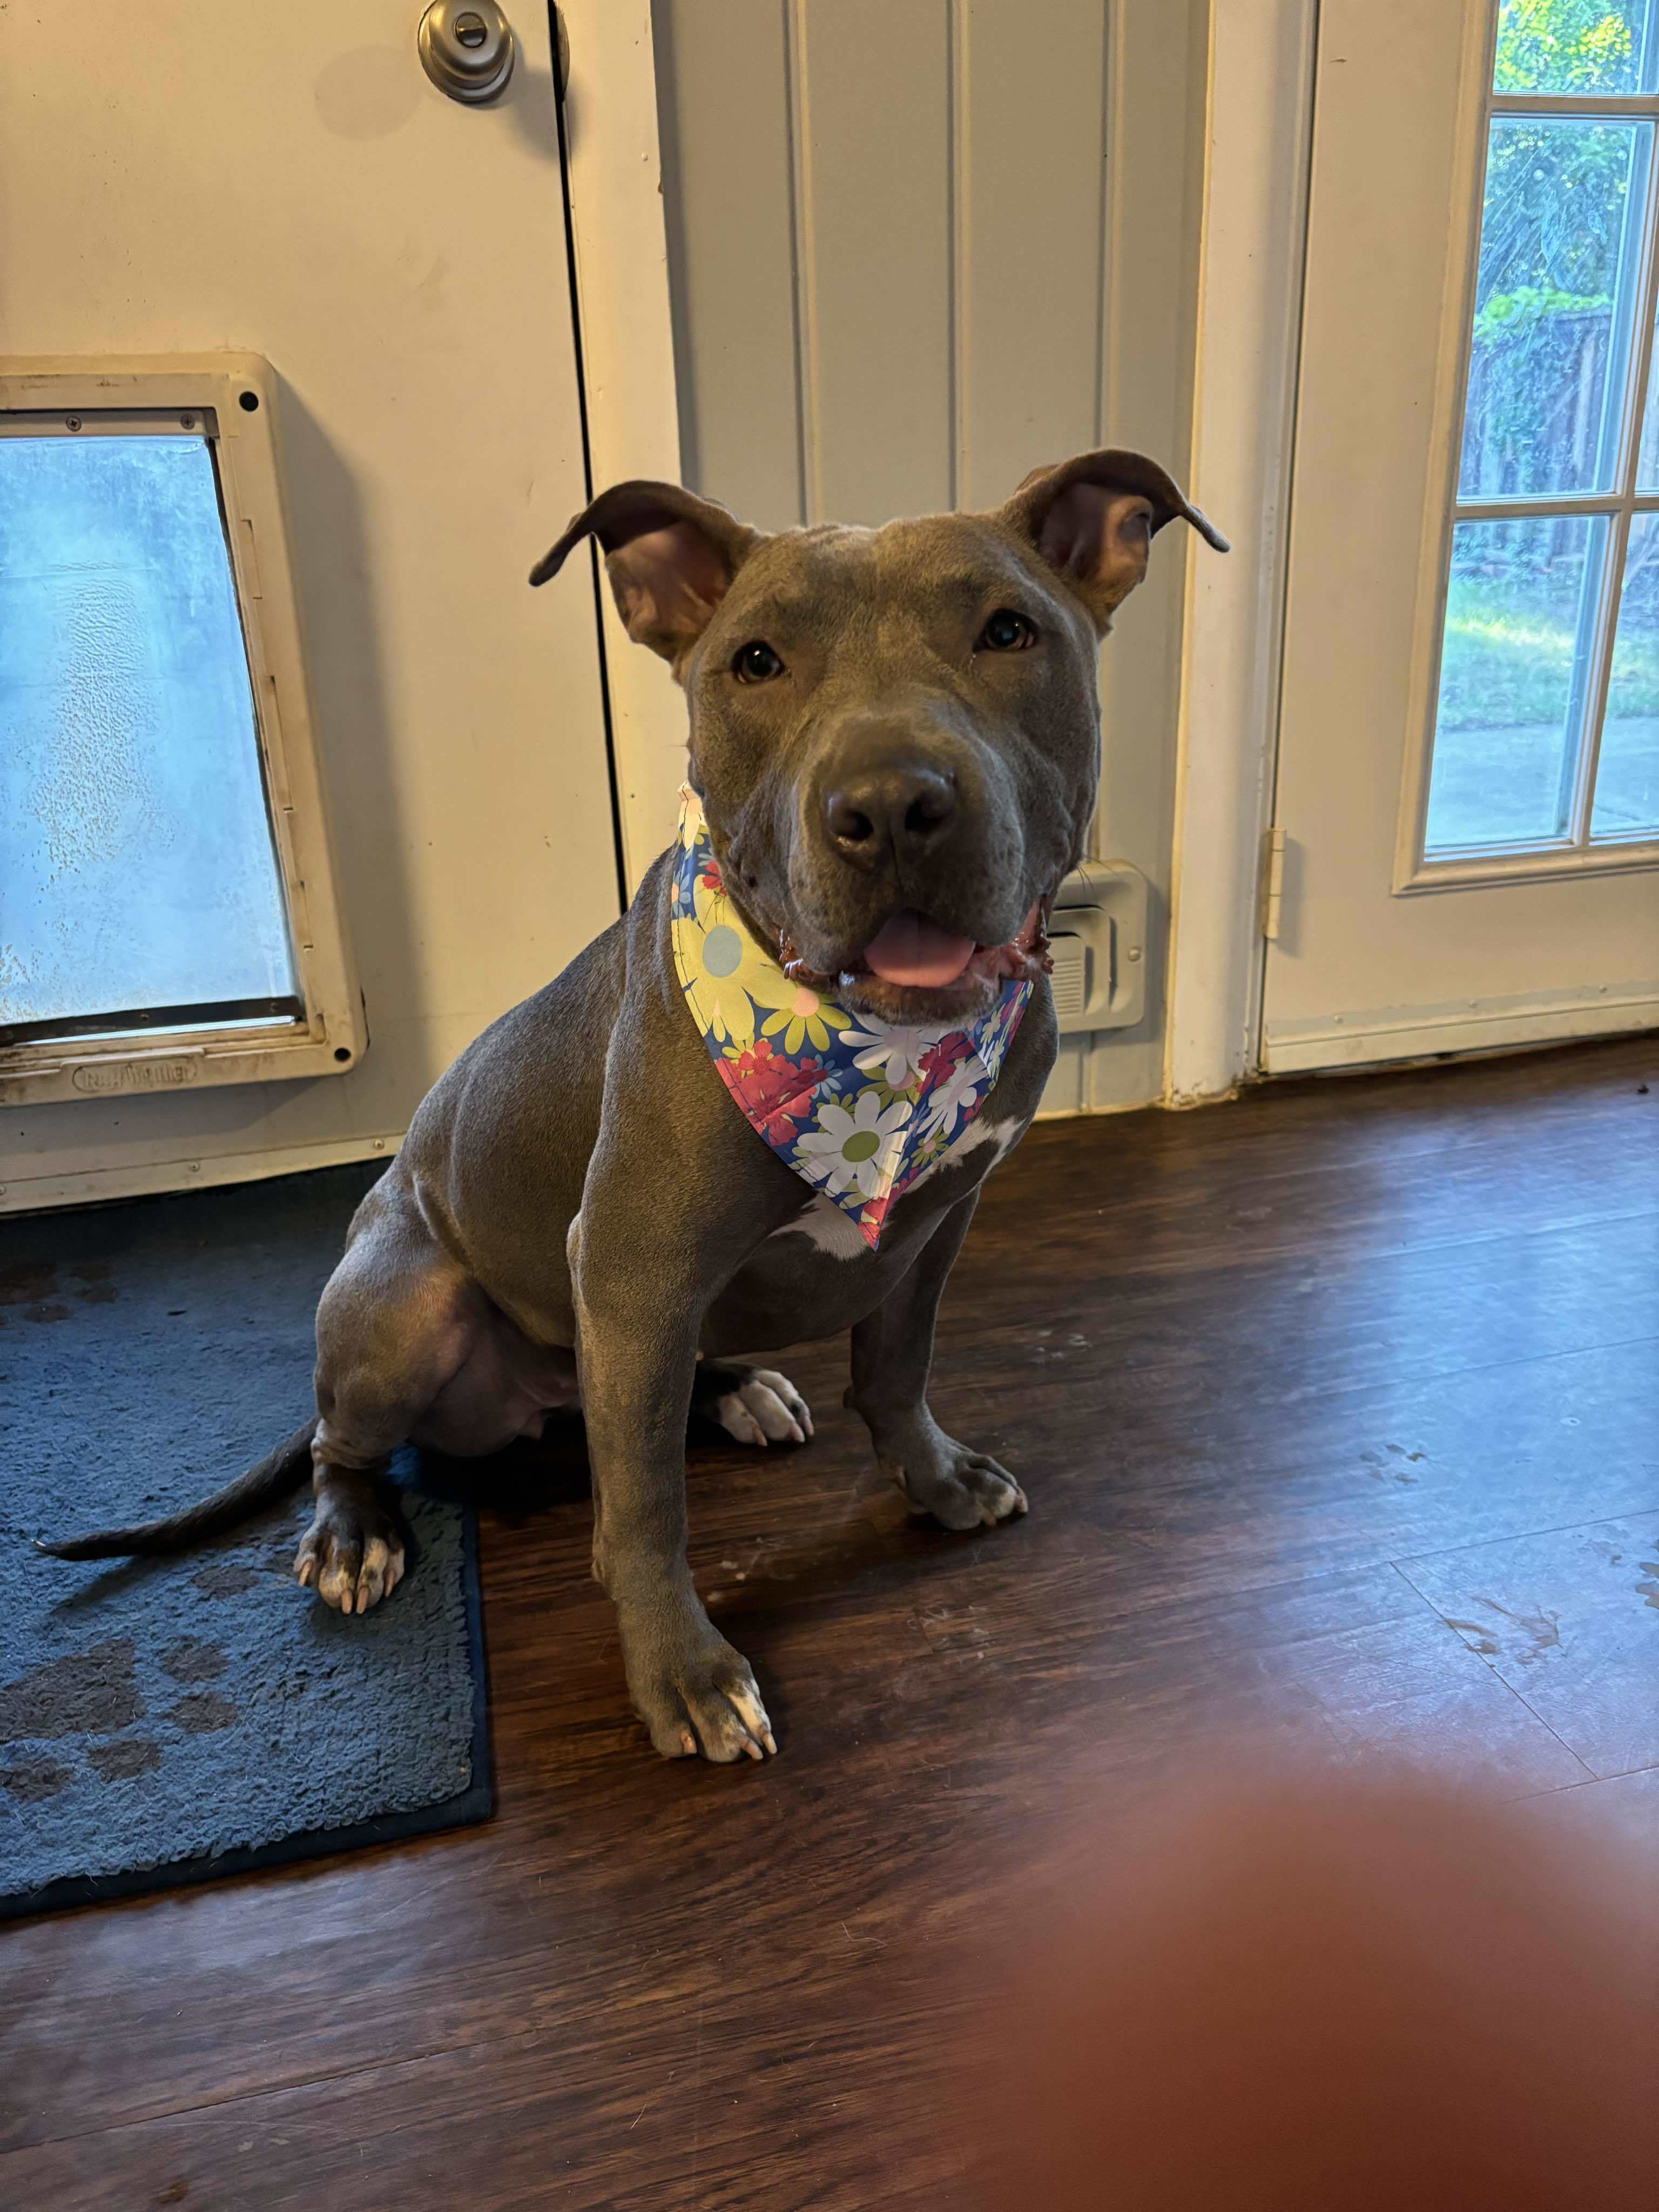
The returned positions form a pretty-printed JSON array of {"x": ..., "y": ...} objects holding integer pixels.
[
  {"x": 753, "y": 1405},
  {"x": 353, "y": 1554},
  {"x": 396, "y": 1320}
]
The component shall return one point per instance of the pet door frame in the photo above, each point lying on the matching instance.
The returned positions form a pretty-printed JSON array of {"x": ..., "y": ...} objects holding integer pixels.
[{"x": 187, "y": 1047}]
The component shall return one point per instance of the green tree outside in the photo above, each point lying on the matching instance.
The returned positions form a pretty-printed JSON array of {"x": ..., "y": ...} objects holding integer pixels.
[{"x": 1556, "y": 209}]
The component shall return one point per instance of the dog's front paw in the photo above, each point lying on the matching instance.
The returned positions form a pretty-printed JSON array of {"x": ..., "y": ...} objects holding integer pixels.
[
  {"x": 697, "y": 1695},
  {"x": 961, "y": 1489},
  {"x": 352, "y": 1555}
]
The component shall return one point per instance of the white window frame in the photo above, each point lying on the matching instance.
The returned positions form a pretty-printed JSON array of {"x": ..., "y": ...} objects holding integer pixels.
[
  {"x": 1573, "y": 853},
  {"x": 330, "y": 1037}
]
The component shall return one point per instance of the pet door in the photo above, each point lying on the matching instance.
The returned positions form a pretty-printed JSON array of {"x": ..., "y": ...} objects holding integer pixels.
[{"x": 166, "y": 917}]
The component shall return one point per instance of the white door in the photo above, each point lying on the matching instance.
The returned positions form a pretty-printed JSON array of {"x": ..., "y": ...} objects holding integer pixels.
[
  {"x": 285, "y": 180},
  {"x": 1469, "y": 776}
]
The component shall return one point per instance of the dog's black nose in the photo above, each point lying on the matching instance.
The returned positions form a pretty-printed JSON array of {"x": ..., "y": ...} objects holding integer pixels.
[{"x": 900, "y": 806}]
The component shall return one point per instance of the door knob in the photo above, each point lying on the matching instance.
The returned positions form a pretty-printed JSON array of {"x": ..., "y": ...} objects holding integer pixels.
[{"x": 466, "y": 48}]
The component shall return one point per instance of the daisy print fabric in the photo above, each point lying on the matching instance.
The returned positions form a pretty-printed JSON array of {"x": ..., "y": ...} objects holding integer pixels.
[{"x": 858, "y": 1109}]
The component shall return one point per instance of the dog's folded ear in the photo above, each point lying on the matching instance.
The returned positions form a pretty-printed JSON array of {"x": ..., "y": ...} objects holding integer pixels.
[
  {"x": 670, "y": 558},
  {"x": 1093, "y": 517}
]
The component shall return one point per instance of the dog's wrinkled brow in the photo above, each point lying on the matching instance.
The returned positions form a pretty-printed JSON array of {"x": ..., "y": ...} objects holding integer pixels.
[
  {"x": 968, "y": 590},
  {"x": 961, "y": 595},
  {"x": 781, "y": 607}
]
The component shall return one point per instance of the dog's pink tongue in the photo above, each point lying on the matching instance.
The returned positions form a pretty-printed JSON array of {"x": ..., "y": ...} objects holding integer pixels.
[{"x": 912, "y": 950}]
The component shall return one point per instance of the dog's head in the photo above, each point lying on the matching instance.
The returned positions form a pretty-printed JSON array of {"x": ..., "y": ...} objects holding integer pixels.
[{"x": 894, "y": 733}]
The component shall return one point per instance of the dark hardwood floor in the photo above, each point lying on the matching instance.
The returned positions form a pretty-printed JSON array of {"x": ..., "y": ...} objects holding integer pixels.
[{"x": 1337, "y": 1411}]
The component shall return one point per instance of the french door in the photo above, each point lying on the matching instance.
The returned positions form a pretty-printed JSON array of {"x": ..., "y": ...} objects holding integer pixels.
[{"x": 1468, "y": 777}]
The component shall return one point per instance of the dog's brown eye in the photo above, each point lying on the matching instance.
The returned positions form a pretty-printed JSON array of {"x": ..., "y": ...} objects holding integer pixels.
[
  {"x": 1006, "y": 632},
  {"x": 755, "y": 662}
]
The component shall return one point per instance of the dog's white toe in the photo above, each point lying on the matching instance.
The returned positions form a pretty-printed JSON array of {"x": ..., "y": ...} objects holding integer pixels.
[
  {"x": 778, "y": 1391},
  {"x": 765, "y": 1409},
  {"x": 350, "y": 1566}
]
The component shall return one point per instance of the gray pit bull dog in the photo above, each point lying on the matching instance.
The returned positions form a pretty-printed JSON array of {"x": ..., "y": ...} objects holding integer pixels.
[{"x": 896, "y": 736}]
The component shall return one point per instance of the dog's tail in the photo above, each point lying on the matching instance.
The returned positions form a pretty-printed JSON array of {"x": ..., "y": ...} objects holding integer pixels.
[{"x": 277, "y": 1474}]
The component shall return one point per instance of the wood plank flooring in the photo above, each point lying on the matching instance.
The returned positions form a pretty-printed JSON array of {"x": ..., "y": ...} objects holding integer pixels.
[{"x": 1337, "y": 1408}]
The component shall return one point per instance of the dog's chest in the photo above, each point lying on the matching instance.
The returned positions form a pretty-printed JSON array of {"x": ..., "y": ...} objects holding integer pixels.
[{"x": 828, "y": 1229}]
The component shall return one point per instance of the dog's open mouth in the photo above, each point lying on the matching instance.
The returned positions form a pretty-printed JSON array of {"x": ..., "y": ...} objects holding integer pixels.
[{"x": 912, "y": 969}]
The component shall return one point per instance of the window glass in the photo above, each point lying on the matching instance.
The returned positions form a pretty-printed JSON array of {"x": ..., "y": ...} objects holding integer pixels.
[
  {"x": 1520, "y": 604},
  {"x": 137, "y": 868}
]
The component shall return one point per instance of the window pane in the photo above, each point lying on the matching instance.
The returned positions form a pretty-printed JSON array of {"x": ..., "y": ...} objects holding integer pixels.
[
  {"x": 1573, "y": 45},
  {"x": 136, "y": 859},
  {"x": 1647, "y": 451},
  {"x": 1553, "y": 306},
  {"x": 1520, "y": 618},
  {"x": 1628, "y": 774}
]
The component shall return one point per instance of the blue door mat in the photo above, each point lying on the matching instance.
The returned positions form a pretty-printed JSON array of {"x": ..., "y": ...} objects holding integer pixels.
[{"x": 170, "y": 1721}]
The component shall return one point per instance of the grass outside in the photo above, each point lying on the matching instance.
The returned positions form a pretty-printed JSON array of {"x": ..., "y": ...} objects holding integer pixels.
[
  {"x": 1506, "y": 676},
  {"x": 1509, "y": 648}
]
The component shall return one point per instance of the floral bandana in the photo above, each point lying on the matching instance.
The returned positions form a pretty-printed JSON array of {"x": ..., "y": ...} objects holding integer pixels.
[{"x": 859, "y": 1109}]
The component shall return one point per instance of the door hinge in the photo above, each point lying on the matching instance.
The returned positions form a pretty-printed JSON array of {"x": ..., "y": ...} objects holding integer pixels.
[{"x": 1273, "y": 881}]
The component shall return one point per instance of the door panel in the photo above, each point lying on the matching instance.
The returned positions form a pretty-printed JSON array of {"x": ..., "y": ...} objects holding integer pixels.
[
  {"x": 918, "y": 250},
  {"x": 286, "y": 179},
  {"x": 1505, "y": 930}
]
